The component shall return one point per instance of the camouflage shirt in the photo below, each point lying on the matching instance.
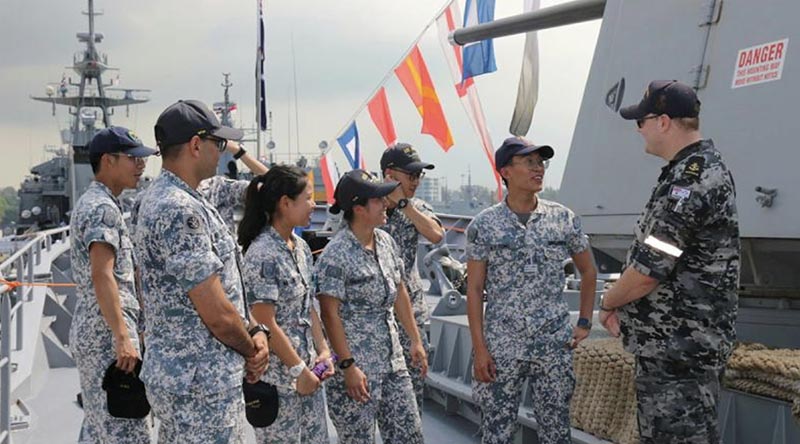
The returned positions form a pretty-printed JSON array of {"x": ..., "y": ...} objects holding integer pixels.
[
  {"x": 227, "y": 196},
  {"x": 97, "y": 218},
  {"x": 405, "y": 234},
  {"x": 688, "y": 239},
  {"x": 273, "y": 274},
  {"x": 525, "y": 309},
  {"x": 181, "y": 241},
  {"x": 366, "y": 284}
]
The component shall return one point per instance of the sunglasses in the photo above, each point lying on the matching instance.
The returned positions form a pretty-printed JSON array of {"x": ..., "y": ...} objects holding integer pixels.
[
  {"x": 640, "y": 122},
  {"x": 413, "y": 176},
  {"x": 221, "y": 143}
]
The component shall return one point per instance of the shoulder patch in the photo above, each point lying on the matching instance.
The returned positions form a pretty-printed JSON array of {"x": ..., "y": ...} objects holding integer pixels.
[
  {"x": 472, "y": 233},
  {"x": 268, "y": 270},
  {"x": 576, "y": 223},
  {"x": 694, "y": 167},
  {"x": 679, "y": 193},
  {"x": 108, "y": 217},
  {"x": 192, "y": 222},
  {"x": 333, "y": 271}
]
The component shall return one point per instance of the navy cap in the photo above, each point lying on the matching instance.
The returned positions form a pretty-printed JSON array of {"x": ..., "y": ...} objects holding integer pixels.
[
  {"x": 519, "y": 146},
  {"x": 125, "y": 393},
  {"x": 669, "y": 97},
  {"x": 116, "y": 139},
  {"x": 261, "y": 403},
  {"x": 357, "y": 185},
  {"x": 188, "y": 118},
  {"x": 402, "y": 156}
]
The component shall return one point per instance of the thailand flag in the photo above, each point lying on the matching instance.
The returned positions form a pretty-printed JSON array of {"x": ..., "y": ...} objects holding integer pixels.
[
  {"x": 478, "y": 56},
  {"x": 351, "y": 145}
]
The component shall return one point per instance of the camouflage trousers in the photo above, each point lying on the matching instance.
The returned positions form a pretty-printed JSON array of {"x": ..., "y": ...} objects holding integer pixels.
[
  {"x": 551, "y": 380},
  {"x": 301, "y": 419},
  {"x": 391, "y": 403},
  {"x": 676, "y": 404},
  {"x": 199, "y": 418},
  {"x": 93, "y": 352},
  {"x": 417, "y": 381}
]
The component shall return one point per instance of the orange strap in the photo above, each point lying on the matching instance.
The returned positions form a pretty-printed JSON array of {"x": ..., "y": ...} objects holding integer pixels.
[{"x": 14, "y": 284}]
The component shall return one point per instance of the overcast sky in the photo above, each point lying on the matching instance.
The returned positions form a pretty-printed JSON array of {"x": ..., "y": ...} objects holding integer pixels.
[{"x": 179, "y": 48}]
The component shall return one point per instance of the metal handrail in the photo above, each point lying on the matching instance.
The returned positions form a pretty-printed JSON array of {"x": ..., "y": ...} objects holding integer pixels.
[{"x": 23, "y": 261}]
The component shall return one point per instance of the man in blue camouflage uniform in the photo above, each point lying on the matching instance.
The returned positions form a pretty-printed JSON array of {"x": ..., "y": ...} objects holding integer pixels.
[
  {"x": 359, "y": 279},
  {"x": 408, "y": 217},
  {"x": 676, "y": 301},
  {"x": 515, "y": 251},
  {"x": 198, "y": 342},
  {"x": 104, "y": 327},
  {"x": 226, "y": 194}
]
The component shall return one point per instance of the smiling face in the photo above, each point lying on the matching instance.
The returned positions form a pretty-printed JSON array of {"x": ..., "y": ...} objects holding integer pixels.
[
  {"x": 125, "y": 170},
  {"x": 298, "y": 210},
  {"x": 525, "y": 172}
]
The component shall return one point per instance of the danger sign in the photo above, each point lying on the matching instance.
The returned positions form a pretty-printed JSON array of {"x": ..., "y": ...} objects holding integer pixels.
[{"x": 759, "y": 64}]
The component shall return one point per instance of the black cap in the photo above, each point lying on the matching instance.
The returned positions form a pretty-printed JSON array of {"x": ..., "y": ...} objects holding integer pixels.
[
  {"x": 357, "y": 185},
  {"x": 125, "y": 393},
  {"x": 116, "y": 139},
  {"x": 188, "y": 118},
  {"x": 402, "y": 156},
  {"x": 260, "y": 403},
  {"x": 519, "y": 146},
  {"x": 669, "y": 97}
]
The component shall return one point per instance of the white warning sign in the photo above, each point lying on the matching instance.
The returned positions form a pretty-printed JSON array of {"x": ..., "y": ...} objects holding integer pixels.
[{"x": 759, "y": 64}]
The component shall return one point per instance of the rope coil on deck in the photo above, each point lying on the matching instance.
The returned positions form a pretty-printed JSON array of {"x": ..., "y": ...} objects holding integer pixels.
[{"x": 604, "y": 402}]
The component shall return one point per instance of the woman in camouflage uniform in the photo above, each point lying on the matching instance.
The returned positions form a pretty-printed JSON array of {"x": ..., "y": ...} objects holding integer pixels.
[
  {"x": 277, "y": 271},
  {"x": 360, "y": 286}
]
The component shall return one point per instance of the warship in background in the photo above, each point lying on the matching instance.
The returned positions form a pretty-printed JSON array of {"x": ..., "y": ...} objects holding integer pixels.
[{"x": 47, "y": 194}]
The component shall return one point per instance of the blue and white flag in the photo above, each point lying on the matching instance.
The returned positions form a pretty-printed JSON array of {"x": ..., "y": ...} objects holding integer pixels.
[
  {"x": 478, "y": 56},
  {"x": 260, "y": 55},
  {"x": 351, "y": 146}
]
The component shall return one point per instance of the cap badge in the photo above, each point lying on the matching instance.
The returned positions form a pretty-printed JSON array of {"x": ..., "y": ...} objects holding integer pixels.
[{"x": 134, "y": 137}]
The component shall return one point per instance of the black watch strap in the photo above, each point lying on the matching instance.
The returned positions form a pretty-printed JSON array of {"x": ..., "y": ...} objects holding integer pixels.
[
  {"x": 402, "y": 203},
  {"x": 240, "y": 153},
  {"x": 346, "y": 363},
  {"x": 259, "y": 328}
]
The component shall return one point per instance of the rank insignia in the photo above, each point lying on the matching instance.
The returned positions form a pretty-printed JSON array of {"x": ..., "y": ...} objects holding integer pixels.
[{"x": 694, "y": 167}]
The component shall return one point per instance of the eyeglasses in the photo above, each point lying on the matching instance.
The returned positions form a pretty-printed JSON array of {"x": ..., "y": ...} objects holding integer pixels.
[
  {"x": 640, "y": 122},
  {"x": 134, "y": 159},
  {"x": 413, "y": 176},
  {"x": 531, "y": 163},
  {"x": 221, "y": 143}
]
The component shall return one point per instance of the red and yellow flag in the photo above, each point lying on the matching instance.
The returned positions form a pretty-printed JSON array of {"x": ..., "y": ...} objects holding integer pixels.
[{"x": 413, "y": 74}]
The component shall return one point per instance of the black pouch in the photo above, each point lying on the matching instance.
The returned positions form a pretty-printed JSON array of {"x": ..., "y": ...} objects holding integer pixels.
[
  {"x": 261, "y": 403},
  {"x": 125, "y": 393}
]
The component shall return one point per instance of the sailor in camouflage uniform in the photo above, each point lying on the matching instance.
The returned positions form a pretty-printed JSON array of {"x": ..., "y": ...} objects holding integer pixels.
[
  {"x": 408, "y": 217},
  {"x": 226, "y": 194},
  {"x": 104, "y": 327},
  {"x": 277, "y": 271},
  {"x": 515, "y": 251},
  {"x": 198, "y": 343},
  {"x": 676, "y": 301},
  {"x": 360, "y": 286}
]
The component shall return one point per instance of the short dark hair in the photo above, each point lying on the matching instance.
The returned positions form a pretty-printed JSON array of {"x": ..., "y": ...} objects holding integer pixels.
[
  {"x": 170, "y": 151},
  {"x": 94, "y": 161}
]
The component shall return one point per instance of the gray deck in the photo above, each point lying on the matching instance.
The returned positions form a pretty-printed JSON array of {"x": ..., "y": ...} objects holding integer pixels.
[{"x": 56, "y": 417}]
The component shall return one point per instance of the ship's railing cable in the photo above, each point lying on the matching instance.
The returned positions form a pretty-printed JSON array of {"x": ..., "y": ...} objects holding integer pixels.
[{"x": 21, "y": 265}]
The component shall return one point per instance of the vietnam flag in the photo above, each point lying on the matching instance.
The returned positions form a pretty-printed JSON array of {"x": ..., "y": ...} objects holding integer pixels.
[{"x": 413, "y": 74}]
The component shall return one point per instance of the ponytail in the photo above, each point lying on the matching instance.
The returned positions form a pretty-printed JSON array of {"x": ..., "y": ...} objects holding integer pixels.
[{"x": 262, "y": 196}]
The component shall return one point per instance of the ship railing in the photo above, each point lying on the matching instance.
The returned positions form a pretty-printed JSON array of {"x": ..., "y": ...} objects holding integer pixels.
[{"x": 18, "y": 268}]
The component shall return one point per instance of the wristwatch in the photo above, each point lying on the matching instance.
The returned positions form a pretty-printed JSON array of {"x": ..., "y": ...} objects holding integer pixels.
[
  {"x": 240, "y": 153},
  {"x": 259, "y": 328},
  {"x": 584, "y": 323},
  {"x": 346, "y": 363},
  {"x": 402, "y": 203},
  {"x": 297, "y": 370},
  {"x": 602, "y": 307}
]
